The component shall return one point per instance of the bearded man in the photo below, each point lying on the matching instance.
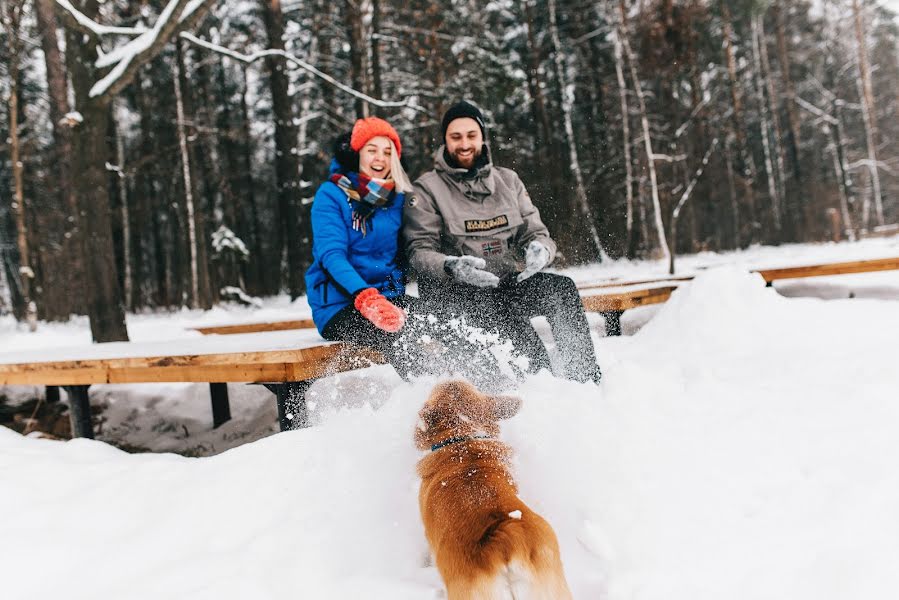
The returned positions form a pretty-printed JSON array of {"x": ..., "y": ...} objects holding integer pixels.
[{"x": 479, "y": 247}]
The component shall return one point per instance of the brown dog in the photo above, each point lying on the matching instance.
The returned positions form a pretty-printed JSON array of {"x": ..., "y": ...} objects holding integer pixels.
[{"x": 488, "y": 545}]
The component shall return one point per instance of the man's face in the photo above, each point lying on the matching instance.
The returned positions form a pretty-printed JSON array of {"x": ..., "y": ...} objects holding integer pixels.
[{"x": 464, "y": 141}]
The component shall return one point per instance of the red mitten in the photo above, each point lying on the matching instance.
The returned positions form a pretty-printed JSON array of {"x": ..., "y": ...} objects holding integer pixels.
[{"x": 379, "y": 310}]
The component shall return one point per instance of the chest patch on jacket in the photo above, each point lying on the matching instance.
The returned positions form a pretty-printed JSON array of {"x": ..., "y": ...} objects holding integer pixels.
[{"x": 476, "y": 225}]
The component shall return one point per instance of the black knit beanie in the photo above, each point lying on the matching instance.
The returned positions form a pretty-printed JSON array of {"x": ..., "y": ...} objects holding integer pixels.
[{"x": 459, "y": 110}]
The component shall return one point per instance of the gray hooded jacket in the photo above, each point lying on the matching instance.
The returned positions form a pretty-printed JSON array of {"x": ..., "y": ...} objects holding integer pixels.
[{"x": 489, "y": 215}]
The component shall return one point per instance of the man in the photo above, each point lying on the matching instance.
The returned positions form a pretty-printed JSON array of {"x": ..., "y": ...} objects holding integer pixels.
[{"x": 478, "y": 245}]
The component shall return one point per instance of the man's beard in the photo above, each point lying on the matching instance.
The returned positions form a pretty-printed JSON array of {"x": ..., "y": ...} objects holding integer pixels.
[{"x": 470, "y": 162}]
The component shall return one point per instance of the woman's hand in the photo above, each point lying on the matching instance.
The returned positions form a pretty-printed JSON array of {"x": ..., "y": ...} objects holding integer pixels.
[{"x": 379, "y": 310}]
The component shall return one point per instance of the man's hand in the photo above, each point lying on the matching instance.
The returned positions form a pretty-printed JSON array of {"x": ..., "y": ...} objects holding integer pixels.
[
  {"x": 470, "y": 270},
  {"x": 379, "y": 310},
  {"x": 535, "y": 258}
]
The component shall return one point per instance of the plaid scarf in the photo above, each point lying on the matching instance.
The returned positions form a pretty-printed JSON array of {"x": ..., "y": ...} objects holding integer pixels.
[{"x": 364, "y": 195}]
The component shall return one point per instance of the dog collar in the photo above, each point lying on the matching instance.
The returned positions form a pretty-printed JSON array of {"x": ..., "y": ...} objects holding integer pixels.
[{"x": 459, "y": 438}]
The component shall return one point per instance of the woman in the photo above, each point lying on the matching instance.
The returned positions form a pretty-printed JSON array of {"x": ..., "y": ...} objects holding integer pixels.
[{"x": 356, "y": 285}]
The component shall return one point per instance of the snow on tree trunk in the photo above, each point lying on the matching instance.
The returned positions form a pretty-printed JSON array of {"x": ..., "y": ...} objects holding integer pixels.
[
  {"x": 188, "y": 187},
  {"x": 763, "y": 114},
  {"x": 128, "y": 282},
  {"x": 647, "y": 138},
  {"x": 567, "y": 90},
  {"x": 868, "y": 117}
]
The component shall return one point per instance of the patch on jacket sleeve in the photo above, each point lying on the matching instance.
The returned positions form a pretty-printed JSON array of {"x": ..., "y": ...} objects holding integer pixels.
[{"x": 476, "y": 225}]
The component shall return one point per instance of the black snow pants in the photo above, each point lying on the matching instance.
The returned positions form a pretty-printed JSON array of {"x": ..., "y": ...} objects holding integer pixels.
[
  {"x": 507, "y": 310},
  {"x": 428, "y": 344}
]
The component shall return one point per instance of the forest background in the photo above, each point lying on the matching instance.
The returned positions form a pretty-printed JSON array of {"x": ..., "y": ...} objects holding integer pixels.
[{"x": 159, "y": 155}]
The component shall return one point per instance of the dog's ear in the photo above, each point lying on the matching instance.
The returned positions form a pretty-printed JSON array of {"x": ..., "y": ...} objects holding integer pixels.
[{"x": 505, "y": 406}]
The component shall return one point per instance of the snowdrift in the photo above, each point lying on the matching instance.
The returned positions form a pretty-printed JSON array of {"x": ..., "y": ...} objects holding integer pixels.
[{"x": 741, "y": 446}]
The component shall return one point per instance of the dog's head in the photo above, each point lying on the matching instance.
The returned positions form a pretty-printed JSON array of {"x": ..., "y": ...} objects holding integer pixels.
[{"x": 457, "y": 408}]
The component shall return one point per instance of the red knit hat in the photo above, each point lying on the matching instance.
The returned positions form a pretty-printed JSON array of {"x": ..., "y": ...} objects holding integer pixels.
[{"x": 370, "y": 127}]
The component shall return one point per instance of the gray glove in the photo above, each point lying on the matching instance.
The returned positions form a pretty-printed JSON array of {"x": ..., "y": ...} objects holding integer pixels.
[
  {"x": 470, "y": 270},
  {"x": 535, "y": 258}
]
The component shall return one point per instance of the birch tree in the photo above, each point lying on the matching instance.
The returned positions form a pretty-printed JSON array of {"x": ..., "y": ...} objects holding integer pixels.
[
  {"x": 567, "y": 91},
  {"x": 621, "y": 33},
  {"x": 12, "y": 11},
  {"x": 869, "y": 116}
]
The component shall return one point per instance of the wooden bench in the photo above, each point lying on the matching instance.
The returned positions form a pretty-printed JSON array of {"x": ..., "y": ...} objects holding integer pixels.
[
  {"x": 610, "y": 304},
  {"x": 286, "y": 371}
]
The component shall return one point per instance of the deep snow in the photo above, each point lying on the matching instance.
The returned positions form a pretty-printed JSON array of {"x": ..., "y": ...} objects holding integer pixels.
[{"x": 742, "y": 445}]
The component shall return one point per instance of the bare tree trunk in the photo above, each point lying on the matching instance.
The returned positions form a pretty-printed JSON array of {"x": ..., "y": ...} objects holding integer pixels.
[
  {"x": 745, "y": 166},
  {"x": 70, "y": 263},
  {"x": 12, "y": 20},
  {"x": 538, "y": 103},
  {"x": 869, "y": 116},
  {"x": 287, "y": 166},
  {"x": 257, "y": 255},
  {"x": 188, "y": 186},
  {"x": 647, "y": 139},
  {"x": 797, "y": 214},
  {"x": 772, "y": 110},
  {"x": 626, "y": 139},
  {"x": 376, "y": 88},
  {"x": 567, "y": 91},
  {"x": 763, "y": 113},
  {"x": 105, "y": 305},
  {"x": 356, "y": 34}
]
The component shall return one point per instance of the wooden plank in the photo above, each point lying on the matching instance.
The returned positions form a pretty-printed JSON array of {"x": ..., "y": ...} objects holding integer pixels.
[
  {"x": 256, "y": 327},
  {"x": 614, "y": 283},
  {"x": 625, "y": 300},
  {"x": 235, "y": 367},
  {"x": 842, "y": 268}
]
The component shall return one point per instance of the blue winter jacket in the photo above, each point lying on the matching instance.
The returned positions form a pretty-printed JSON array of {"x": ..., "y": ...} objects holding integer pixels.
[{"x": 345, "y": 261}]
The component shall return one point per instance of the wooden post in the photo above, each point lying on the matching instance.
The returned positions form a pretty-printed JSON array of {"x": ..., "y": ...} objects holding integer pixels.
[
  {"x": 80, "y": 411},
  {"x": 221, "y": 409}
]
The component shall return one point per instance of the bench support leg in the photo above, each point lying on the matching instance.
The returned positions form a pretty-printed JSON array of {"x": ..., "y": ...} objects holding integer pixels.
[
  {"x": 291, "y": 397},
  {"x": 52, "y": 394},
  {"x": 80, "y": 411},
  {"x": 613, "y": 322},
  {"x": 221, "y": 408}
]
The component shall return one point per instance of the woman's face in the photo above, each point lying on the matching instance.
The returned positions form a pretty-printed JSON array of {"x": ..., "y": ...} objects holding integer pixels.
[{"x": 374, "y": 158}]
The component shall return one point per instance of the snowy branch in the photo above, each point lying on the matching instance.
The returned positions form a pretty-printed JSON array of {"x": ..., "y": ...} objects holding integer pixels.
[
  {"x": 870, "y": 164},
  {"x": 250, "y": 58},
  {"x": 669, "y": 158},
  {"x": 77, "y": 19},
  {"x": 686, "y": 195},
  {"x": 128, "y": 58},
  {"x": 815, "y": 110}
]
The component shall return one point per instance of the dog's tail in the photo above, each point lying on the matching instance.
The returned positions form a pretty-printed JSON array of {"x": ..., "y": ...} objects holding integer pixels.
[{"x": 525, "y": 554}]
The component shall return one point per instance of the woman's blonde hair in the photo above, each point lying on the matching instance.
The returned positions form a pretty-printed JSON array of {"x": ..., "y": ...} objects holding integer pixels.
[{"x": 397, "y": 172}]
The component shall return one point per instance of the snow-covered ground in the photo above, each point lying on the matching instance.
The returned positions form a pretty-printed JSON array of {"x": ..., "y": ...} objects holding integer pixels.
[{"x": 742, "y": 445}]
